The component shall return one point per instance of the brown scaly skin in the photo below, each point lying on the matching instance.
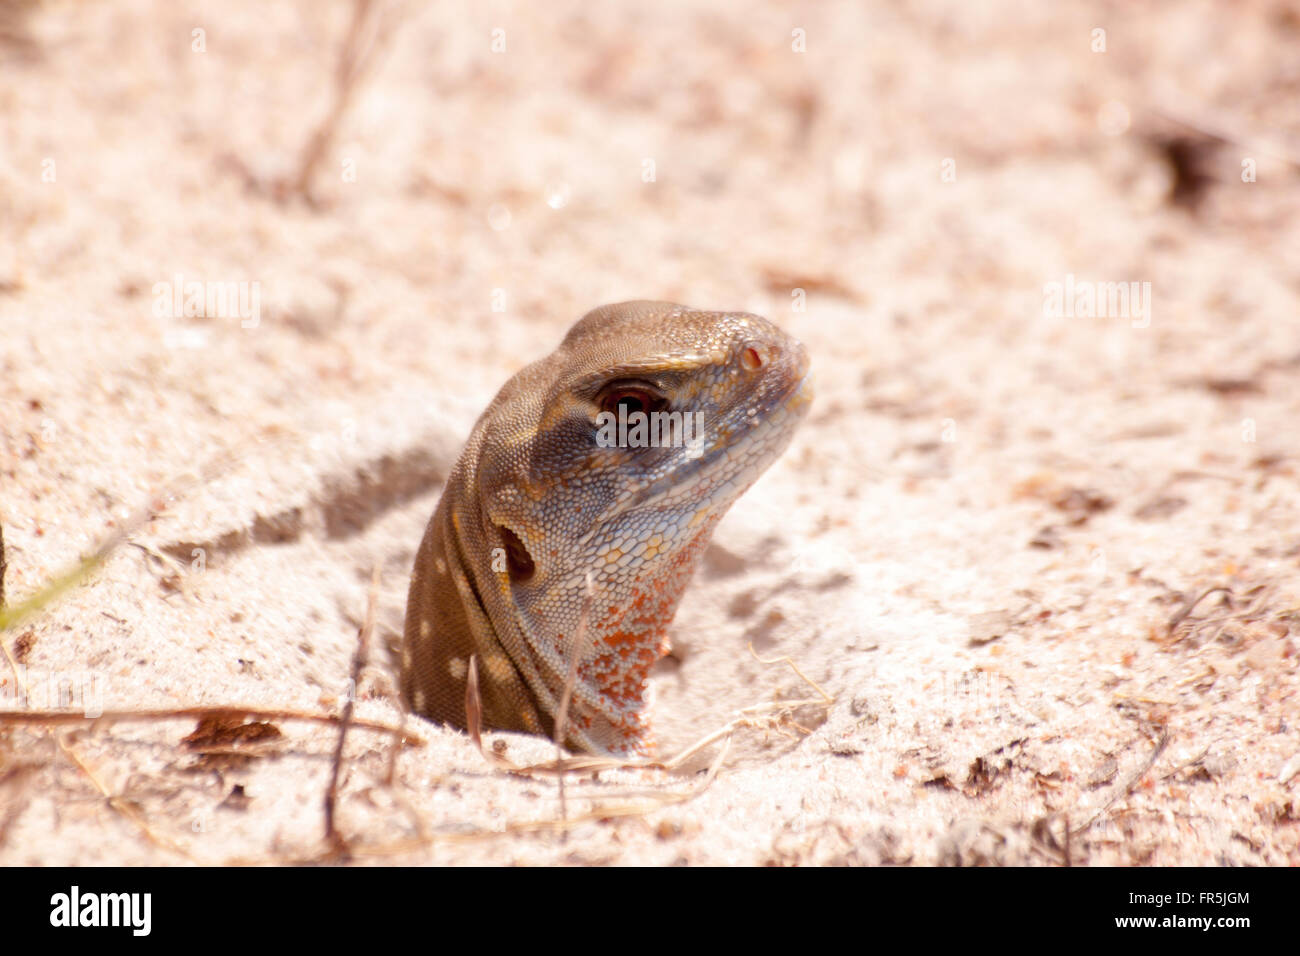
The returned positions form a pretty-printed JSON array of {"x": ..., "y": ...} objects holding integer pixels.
[{"x": 535, "y": 502}]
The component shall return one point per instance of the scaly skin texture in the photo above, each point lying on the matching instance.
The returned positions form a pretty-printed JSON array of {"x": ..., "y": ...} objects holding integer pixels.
[{"x": 536, "y": 502}]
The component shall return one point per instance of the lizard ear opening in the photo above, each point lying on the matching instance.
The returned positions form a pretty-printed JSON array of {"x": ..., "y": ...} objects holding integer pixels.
[{"x": 518, "y": 561}]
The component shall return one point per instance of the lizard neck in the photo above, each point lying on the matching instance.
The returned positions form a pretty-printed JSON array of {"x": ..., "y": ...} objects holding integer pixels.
[{"x": 448, "y": 621}]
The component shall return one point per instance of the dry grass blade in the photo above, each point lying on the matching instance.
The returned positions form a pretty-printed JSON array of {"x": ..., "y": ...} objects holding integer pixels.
[
  {"x": 12, "y": 616},
  {"x": 474, "y": 719},
  {"x": 774, "y": 715},
  {"x": 649, "y": 802},
  {"x": 122, "y": 807},
  {"x": 826, "y": 698},
  {"x": 474, "y": 704},
  {"x": 575, "y": 657}
]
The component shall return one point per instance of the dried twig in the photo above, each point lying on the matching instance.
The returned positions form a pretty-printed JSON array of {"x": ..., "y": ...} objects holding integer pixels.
[
  {"x": 775, "y": 714},
  {"x": 1219, "y": 130},
  {"x": 1190, "y": 763},
  {"x": 1246, "y": 606},
  {"x": 333, "y": 838},
  {"x": 1131, "y": 783},
  {"x": 367, "y": 35},
  {"x": 1190, "y": 606},
  {"x": 51, "y": 718}
]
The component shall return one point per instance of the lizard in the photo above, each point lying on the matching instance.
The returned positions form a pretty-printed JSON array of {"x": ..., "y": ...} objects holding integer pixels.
[{"x": 561, "y": 546}]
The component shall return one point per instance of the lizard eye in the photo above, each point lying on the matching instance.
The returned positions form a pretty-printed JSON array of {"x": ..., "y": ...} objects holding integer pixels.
[
  {"x": 631, "y": 397},
  {"x": 518, "y": 561}
]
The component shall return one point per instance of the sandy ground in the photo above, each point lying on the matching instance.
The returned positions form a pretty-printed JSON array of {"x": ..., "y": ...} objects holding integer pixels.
[{"x": 984, "y": 544}]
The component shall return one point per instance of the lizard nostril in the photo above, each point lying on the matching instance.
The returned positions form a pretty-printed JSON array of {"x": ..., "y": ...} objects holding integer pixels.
[{"x": 753, "y": 359}]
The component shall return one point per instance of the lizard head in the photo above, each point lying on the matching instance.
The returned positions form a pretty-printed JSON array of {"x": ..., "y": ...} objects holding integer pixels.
[{"x": 613, "y": 459}]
